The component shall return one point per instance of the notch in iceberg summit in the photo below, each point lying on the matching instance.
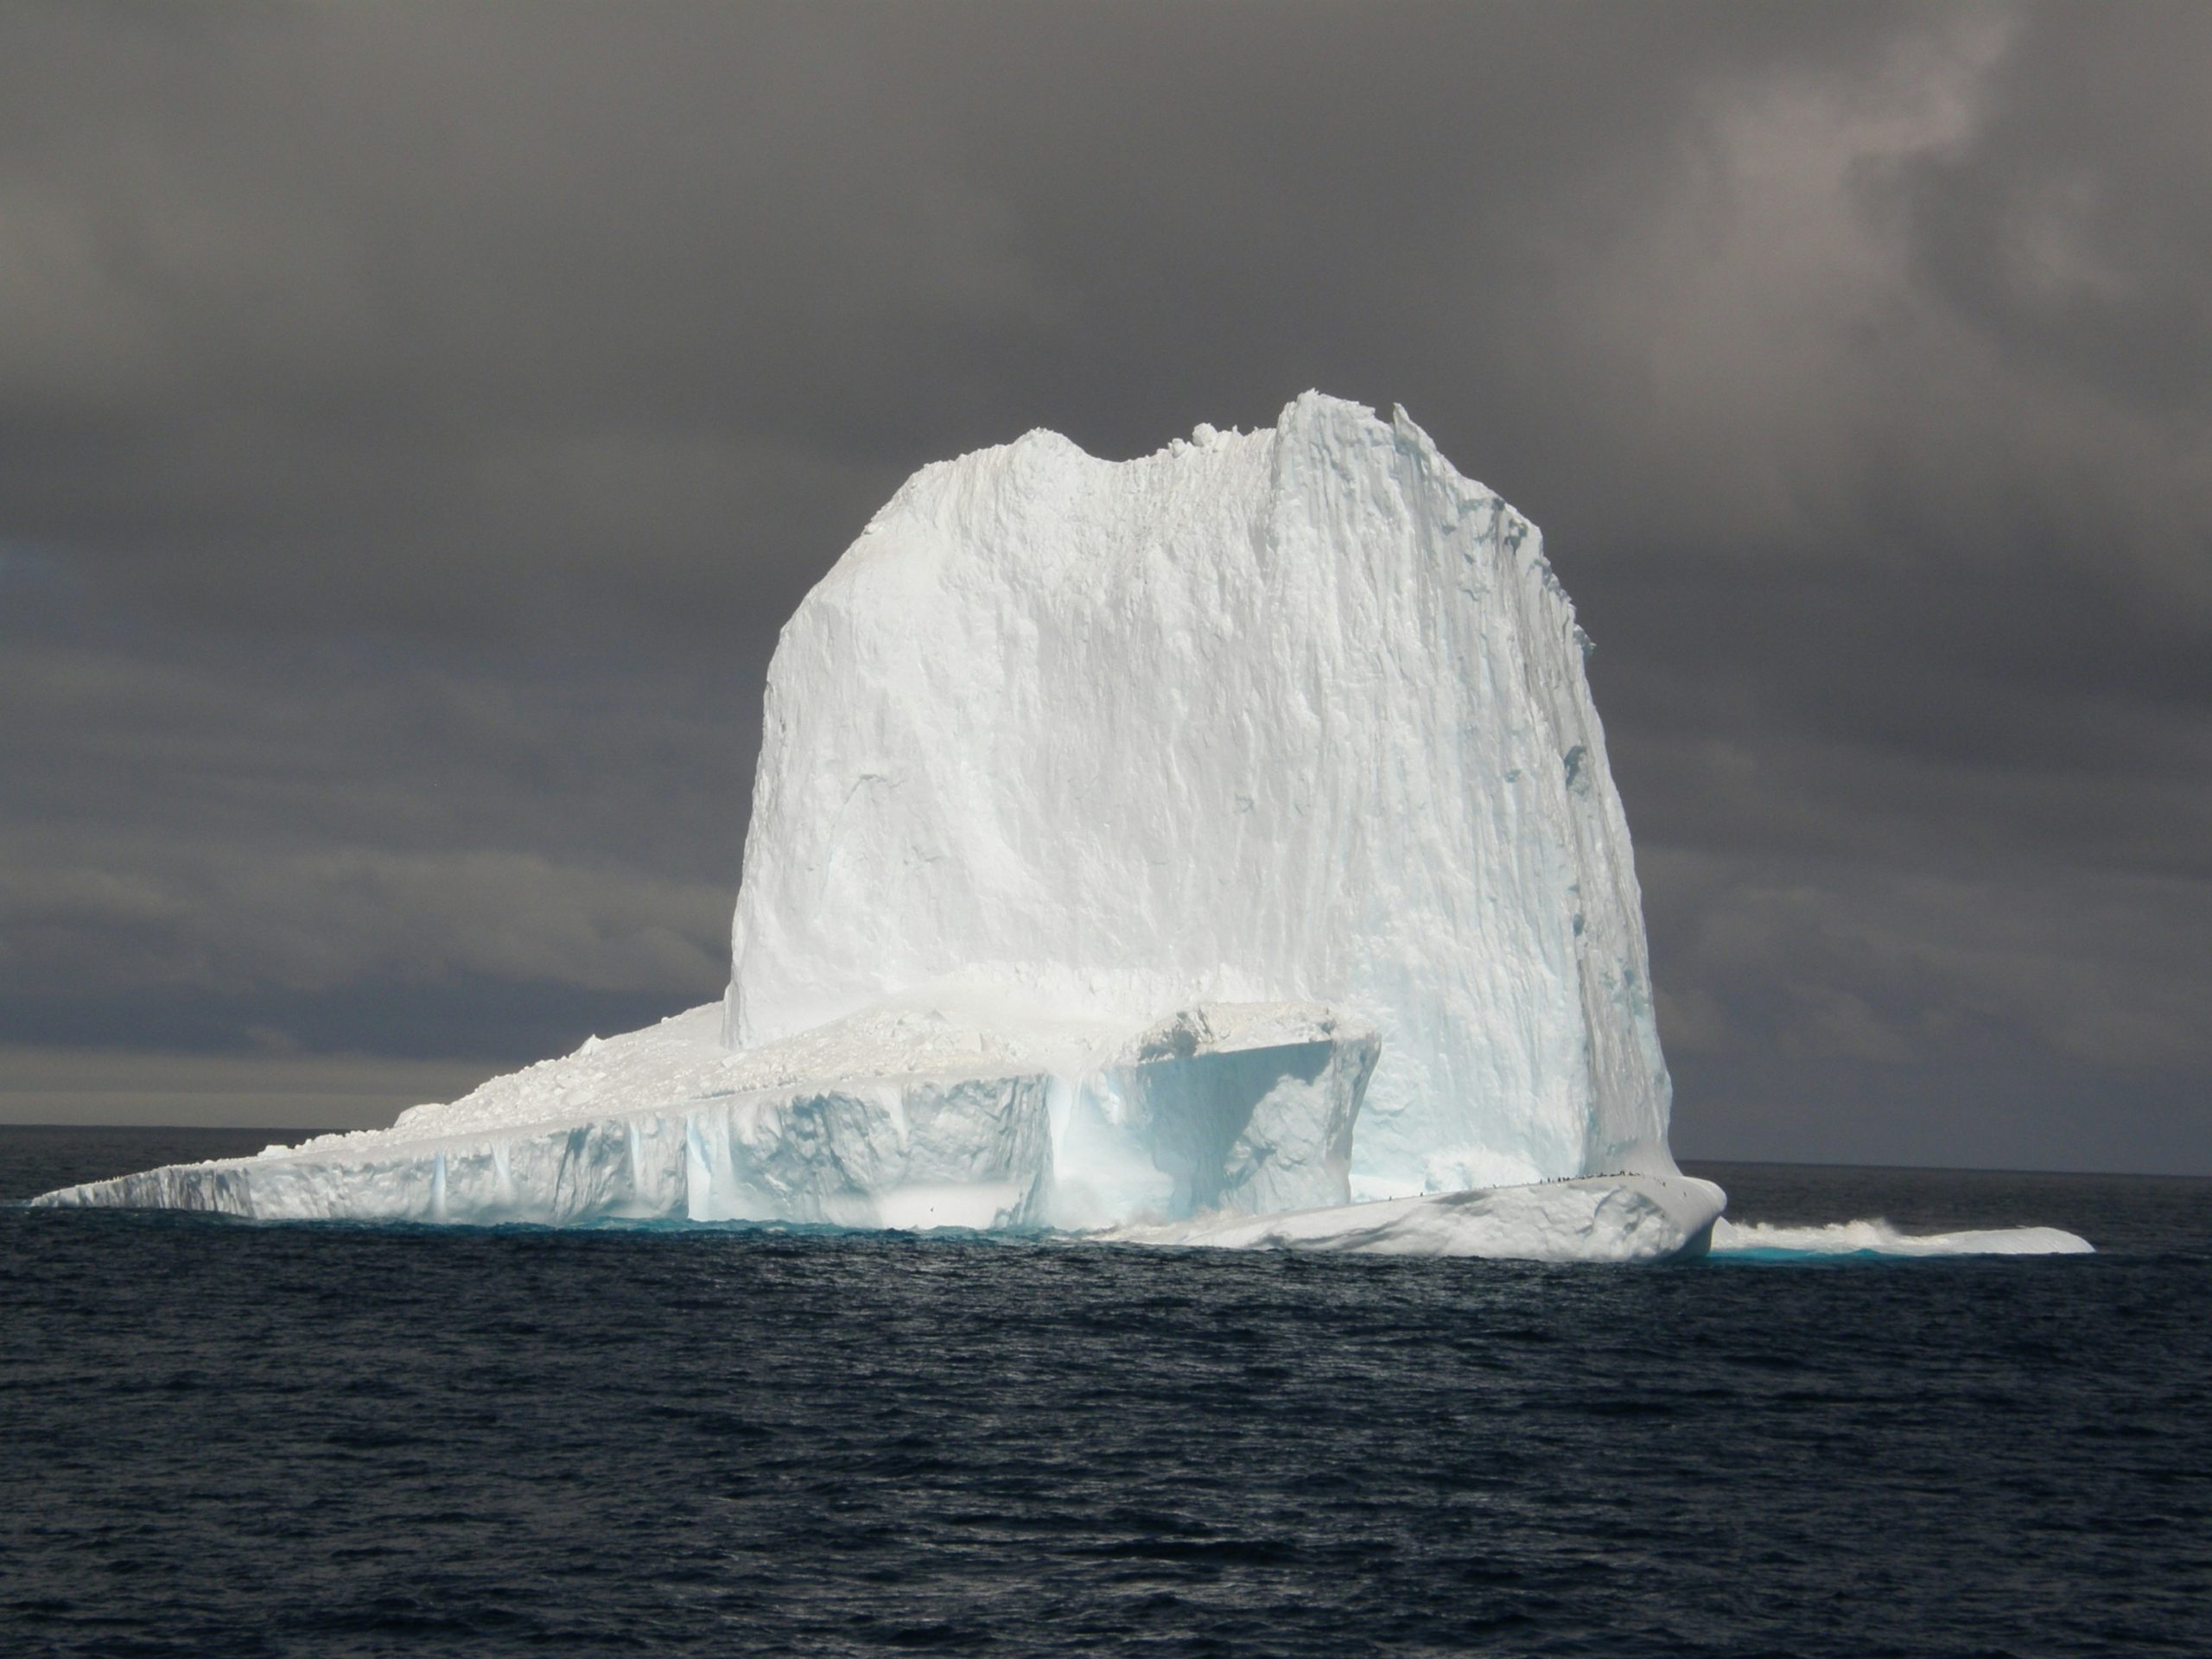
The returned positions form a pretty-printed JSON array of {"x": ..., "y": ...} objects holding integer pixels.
[{"x": 1226, "y": 833}]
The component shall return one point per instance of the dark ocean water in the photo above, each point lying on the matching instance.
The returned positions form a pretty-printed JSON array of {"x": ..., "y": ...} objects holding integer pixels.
[{"x": 219, "y": 1437}]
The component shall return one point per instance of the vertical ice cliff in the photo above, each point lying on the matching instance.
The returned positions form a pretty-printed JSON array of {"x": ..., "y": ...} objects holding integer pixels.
[{"x": 1293, "y": 716}]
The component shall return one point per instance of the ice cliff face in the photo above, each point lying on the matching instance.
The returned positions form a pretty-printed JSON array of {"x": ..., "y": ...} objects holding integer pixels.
[{"x": 1295, "y": 715}]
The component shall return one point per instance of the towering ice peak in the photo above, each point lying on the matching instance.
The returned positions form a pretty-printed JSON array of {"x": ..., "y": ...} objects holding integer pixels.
[{"x": 1290, "y": 716}]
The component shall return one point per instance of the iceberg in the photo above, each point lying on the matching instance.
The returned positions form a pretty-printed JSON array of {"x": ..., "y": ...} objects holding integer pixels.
[{"x": 1217, "y": 847}]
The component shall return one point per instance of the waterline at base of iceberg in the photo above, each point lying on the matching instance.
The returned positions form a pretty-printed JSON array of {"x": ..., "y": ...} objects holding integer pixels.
[
  {"x": 1625, "y": 1219},
  {"x": 1637, "y": 1219}
]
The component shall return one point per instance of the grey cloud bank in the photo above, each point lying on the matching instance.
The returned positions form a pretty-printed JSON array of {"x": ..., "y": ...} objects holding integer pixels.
[{"x": 415, "y": 424}]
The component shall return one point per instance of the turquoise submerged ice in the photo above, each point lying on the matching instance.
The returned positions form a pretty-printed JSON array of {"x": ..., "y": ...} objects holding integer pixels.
[{"x": 1226, "y": 833}]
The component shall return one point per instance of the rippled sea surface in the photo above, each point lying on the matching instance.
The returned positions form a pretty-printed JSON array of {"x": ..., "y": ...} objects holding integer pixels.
[{"x": 220, "y": 1438}]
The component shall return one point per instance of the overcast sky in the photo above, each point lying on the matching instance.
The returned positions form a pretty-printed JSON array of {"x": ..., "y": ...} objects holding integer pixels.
[{"x": 416, "y": 422}]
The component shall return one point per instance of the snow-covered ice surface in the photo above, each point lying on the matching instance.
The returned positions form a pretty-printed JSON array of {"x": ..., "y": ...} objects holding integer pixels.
[{"x": 1183, "y": 848}]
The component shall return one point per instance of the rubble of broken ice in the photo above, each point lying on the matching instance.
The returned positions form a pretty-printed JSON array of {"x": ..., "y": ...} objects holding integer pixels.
[{"x": 1217, "y": 847}]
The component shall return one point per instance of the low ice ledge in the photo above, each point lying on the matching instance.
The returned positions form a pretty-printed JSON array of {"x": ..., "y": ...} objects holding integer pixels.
[{"x": 1219, "y": 1125}]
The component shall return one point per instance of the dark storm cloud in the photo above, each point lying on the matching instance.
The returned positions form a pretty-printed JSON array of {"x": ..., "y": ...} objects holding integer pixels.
[
  {"x": 415, "y": 420},
  {"x": 379, "y": 312},
  {"x": 2073, "y": 223},
  {"x": 199, "y": 847}
]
